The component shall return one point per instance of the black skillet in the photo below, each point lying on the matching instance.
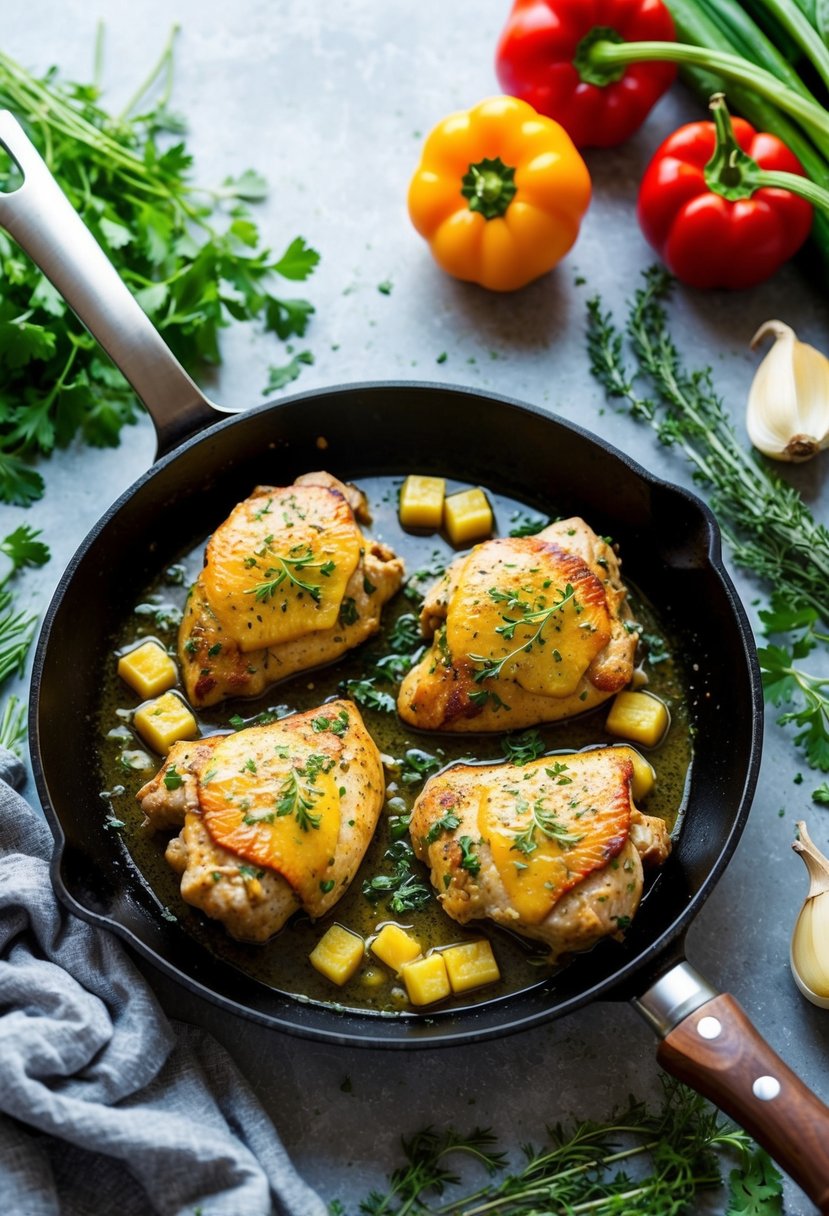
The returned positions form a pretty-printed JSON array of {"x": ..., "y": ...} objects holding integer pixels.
[{"x": 671, "y": 548}]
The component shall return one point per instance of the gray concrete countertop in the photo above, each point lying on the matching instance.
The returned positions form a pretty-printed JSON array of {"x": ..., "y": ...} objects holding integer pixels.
[{"x": 331, "y": 102}]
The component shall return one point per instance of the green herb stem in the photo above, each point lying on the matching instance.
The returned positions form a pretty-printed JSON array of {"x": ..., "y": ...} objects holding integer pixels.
[{"x": 603, "y": 54}]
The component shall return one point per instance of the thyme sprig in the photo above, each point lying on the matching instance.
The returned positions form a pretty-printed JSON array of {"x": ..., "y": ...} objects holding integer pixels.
[
  {"x": 678, "y": 1151},
  {"x": 769, "y": 528},
  {"x": 767, "y": 525},
  {"x": 538, "y": 613},
  {"x": 544, "y": 820},
  {"x": 298, "y": 558}
]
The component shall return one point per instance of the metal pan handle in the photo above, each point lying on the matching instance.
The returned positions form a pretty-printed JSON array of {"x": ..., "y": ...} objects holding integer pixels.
[
  {"x": 46, "y": 226},
  {"x": 709, "y": 1043}
]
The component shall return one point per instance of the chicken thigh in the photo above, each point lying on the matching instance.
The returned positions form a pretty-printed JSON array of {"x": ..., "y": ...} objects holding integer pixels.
[
  {"x": 524, "y": 630},
  {"x": 273, "y": 818},
  {"x": 289, "y": 583},
  {"x": 552, "y": 850}
]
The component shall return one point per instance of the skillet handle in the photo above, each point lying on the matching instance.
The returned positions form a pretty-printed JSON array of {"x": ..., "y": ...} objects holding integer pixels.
[
  {"x": 710, "y": 1044},
  {"x": 48, "y": 228}
]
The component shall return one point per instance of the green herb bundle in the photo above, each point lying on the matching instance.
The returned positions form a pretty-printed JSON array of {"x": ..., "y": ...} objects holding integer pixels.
[
  {"x": 194, "y": 259},
  {"x": 769, "y": 528},
  {"x": 652, "y": 1163}
]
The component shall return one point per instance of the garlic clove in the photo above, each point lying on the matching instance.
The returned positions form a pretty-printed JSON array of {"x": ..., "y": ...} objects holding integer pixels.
[
  {"x": 788, "y": 403},
  {"x": 809, "y": 953}
]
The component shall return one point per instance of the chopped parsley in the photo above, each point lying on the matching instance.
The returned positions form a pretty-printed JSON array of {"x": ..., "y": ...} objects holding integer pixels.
[
  {"x": 403, "y": 887},
  {"x": 469, "y": 859},
  {"x": 367, "y": 696},
  {"x": 521, "y": 749},
  {"x": 337, "y": 725},
  {"x": 446, "y": 823},
  {"x": 348, "y": 611},
  {"x": 172, "y": 778}
]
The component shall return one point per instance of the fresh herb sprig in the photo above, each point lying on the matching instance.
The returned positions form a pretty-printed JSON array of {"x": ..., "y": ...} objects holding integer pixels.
[
  {"x": 404, "y": 889},
  {"x": 769, "y": 528},
  {"x": 193, "y": 257},
  {"x": 290, "y": 566},
  {"x": 679, "y": 1152},
  {"x": 538, "y": 613}
]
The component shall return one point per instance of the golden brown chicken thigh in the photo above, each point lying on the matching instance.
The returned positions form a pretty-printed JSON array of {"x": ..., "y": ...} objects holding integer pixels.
[
  {"x": 552, "y": 850},
  {"x": 524, "y": 630},
  {"x": 273, "y": 818},
  {"x": 289, "y": 583}
]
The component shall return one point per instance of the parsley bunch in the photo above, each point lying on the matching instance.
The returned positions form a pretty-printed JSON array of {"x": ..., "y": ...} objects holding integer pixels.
[
  {"x": 677, "y": 1153},
  {"x": 768, "y": 526},
  {"x": 193, "y": 258}
]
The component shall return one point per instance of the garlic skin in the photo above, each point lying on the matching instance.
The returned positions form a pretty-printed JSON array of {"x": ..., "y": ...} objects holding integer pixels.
[
  {"x": 809, "y": 956},
  {"x": 788, "y": 404}
]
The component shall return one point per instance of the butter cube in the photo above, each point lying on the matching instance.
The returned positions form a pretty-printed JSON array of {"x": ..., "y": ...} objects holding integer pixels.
[
  {"x": 426, "y": 979},
  {"x": 148, "y": 669},
  {"x": 470, "y": 965},
  {"x": 644, "y": 775},
  {"x": 394, "y": 946},
  {"x": 421, "y": 502},
  {"x": 164, "y": 721},
  {"x": 338, "y": 954},
  {"x": 638, "y": 716},
  {"x": 467, "y": 516}
]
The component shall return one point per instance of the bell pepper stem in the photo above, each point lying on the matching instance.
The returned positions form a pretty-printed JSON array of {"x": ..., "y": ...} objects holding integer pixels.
[
  {"x": 732, "y": 173},
  {"x": 603, "y": 54}
]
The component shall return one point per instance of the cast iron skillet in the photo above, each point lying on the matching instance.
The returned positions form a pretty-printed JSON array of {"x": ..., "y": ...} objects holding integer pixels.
[{"x": 671, "y": 550}]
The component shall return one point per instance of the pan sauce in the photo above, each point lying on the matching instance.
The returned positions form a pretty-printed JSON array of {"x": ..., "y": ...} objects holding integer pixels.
[{"x": 283, "y": 962}]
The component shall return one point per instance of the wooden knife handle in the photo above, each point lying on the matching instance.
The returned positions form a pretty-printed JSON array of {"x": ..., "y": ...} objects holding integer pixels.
[{"x": 717, "y": 1051}]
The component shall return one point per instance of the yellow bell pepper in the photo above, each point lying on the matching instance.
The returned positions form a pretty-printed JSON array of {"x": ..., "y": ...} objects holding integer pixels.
[{"x": 499, "y": 194}]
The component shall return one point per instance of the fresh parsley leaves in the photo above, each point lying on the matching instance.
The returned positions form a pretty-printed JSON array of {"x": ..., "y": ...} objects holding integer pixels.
[{"x": 193, "y": 257}]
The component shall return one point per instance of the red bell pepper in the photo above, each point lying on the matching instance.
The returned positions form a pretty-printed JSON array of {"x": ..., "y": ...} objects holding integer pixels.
[
  {"x": 542, "y": 58},
  {"x": 719, "y": 202}
]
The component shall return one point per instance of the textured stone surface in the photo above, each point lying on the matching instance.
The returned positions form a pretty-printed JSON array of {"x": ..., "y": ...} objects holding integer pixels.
[{"x": 330, "y": 102}]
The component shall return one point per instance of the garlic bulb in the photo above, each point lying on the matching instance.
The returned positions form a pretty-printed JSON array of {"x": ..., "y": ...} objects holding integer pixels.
[
  {"x": 788, "y": 405},
  {"x": 810, "y": 939}
]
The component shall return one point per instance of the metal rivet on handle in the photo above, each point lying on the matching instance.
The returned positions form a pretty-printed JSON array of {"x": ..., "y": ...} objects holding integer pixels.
[
  {"x": 709, "y": 1028},
  {"x": 766, "y": 1088}
]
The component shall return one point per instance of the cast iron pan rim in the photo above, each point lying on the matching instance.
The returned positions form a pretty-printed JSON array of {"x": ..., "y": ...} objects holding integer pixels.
[{"x": 436, "y": 1037}]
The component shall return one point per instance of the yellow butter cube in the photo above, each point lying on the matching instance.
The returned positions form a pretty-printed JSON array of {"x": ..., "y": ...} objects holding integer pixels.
[
  {"x": 148, "y": 669},
  {"x": 394, "y": 946},
  {"x": 467, "y": 516},
  {"x": 638, "y": 716},
  {"x": 426, "y": 979},
  {"x": 421, "y": 501},
  {"x": 470, "y": 965},
  {"x": 164, "y": 721},
  {"x": 644, "y": 774},
  {"x": 338, "y": 954}
]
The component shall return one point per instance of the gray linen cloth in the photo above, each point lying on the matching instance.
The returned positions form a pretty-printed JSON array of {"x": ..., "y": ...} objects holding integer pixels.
[{"x": 105, "y": 1106}]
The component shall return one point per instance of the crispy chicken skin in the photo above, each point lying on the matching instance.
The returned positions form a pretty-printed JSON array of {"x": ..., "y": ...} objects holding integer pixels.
[
  {"x": 273, "y": 818},
  {"x": 546, "y": 615},
  {"x": 289, "y": 583},
  {"x": 553, "y": 849}
]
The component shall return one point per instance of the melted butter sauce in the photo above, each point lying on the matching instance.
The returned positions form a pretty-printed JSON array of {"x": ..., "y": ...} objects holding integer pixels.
[{"x": 283, "y": 962}]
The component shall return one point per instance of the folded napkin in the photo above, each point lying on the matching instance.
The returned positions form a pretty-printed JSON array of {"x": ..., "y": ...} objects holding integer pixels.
[{"x": 106, "y": 1106}]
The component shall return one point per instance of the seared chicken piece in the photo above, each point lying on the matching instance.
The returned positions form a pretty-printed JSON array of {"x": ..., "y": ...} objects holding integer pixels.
[
  {"x": 289, "y": 583},
  {"x": 525, "y": 630},
  {"x": 552, "y": 850},
  {"x": 273, "y": 818}
]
